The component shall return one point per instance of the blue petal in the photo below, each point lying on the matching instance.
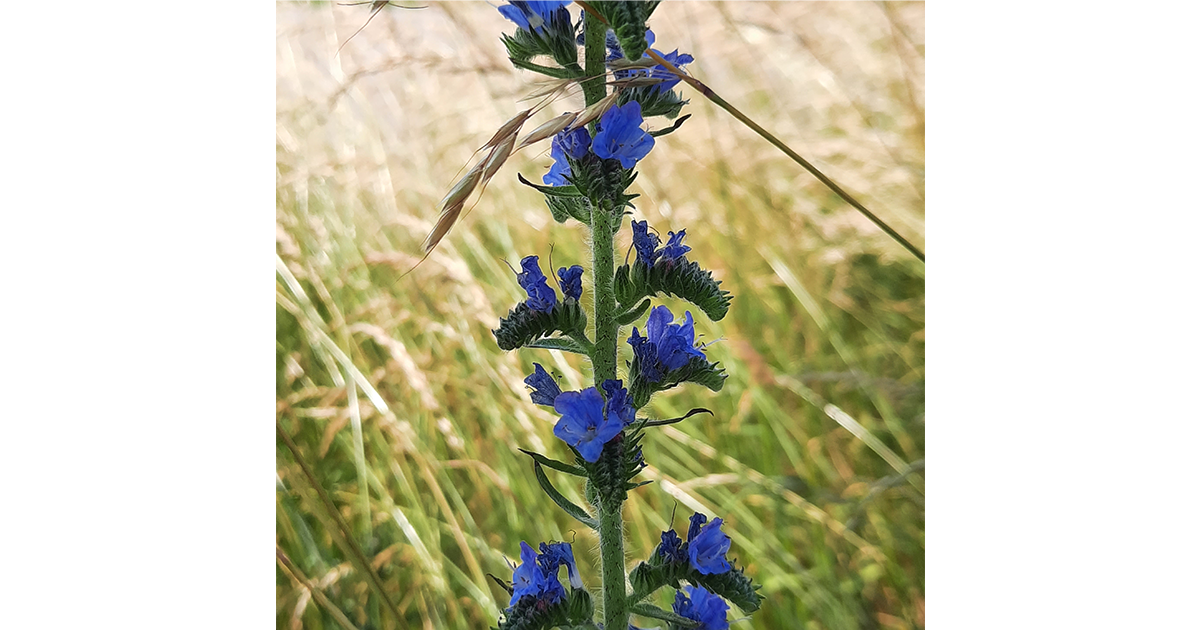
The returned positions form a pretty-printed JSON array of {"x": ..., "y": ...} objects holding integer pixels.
[
  {"x": 707, "y": 550},
  {"x": 572, "y": 281},
  {"x": 545, "y": 388},
  {"x": 583, "y": 424}
]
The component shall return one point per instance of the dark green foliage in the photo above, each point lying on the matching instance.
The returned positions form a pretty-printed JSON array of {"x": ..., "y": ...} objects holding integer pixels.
[
  {"x": 681, "y": 278},
  {"x": 531, "y": 614},
  {"x": 654, "y": 102},
  {"x": 602, "y": 181},
  {"x": 563, "y": 502},
  {"x": 563, "y": 208},
  {"x": 628, "y": 317},
  {"x": 733, "y": 585},
  {"x": 696, "y": 371},
  {"x": 523, "y": 324},
  {"x": 628, "y": 20}
]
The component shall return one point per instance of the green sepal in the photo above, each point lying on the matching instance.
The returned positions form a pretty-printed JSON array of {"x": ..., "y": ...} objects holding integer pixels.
[
  {"x": 555, "y": 464},
  {"x": 679, "y": 277},
  {"x": 530, "y": 614},
  {"x": 560, "y": 343},
  {"x": 697, "y": 370},
  {"x": 563, "y": 502},
  {"x": 654, "y": 612},
  {"x": 733, "y": 585},
  {"x": 563, "y": 208},
  {"x": 654, "y": 102},
  {"x": 579, "y": 606},
  {"x": 628, "y": 317},
  {"x": 524, "y": 325},
  {"x": 602, "y": 181}
]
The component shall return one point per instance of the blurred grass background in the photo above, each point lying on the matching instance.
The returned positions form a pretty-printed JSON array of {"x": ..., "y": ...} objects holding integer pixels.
[{"x": 823, "y": 409}]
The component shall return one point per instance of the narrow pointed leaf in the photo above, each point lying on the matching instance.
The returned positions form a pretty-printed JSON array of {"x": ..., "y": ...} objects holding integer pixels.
[
  {"x": 570, "y": 508},
  {"x": 555, "y": 464}
]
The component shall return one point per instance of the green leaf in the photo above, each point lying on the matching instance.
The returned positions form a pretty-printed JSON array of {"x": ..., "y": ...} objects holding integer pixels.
[
  {"x": 662, "y": 132},
  {"x": 679, "y": 277},
  {"x": 654, "y": 102},
  {"x": 733, "y": 585},
  {"x": 564, "y": 503},
  {"x": 553, "y": 191},
  {"x": 555, "y": 464},
  {"x": 654, "y": 612},
  {"x": 628, "y": 317},
  {"x": 560, "y": 343},
  {"x": 524, "y": 325},
  {"x": 658, "y": 423}
]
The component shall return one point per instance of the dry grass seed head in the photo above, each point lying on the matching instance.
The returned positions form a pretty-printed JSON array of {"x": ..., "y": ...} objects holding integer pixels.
[{"x": 555, "y": 125}]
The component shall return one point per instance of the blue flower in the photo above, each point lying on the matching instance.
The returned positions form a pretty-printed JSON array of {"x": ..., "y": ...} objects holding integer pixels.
[
  {"x": 666, "y": 347},
  {"x": 619, "y": 406},
  {"x": 572, "y": 281},
  {"x": 556, "y": 555},
  {"x": 541, "y": 296},
  {"x": 646, "y": 244},
  {"x": 700, "y": 605},
  {"x": 574, "y": 143},
  {"x": 534, "y": 14},
  {"x": 671, "y": 548},
  {"x": 531, "y": 579},
  {"x": 621, "y": 136},
  {"x": 675, "y": 247},
  {"x": 545, "y": 389},
  {"x": 707, "y": 548},
  {"x": 560, "y": 170},
  {"x": 584, "y": 425},
  {"x": 669, "y": 79}
]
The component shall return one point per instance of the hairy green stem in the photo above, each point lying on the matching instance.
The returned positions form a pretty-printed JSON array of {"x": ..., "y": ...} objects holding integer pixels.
[{"x": 604, "y": 352}]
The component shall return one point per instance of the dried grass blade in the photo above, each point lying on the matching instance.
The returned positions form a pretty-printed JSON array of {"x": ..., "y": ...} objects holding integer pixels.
[{"x": 555, "y": 125}]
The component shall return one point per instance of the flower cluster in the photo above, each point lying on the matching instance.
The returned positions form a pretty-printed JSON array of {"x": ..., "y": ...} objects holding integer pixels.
[
  {"x": 619, "y": 136},
  {"x": 646, "y": 244},
  {"x": 589, "y": 420},
  {"x": 537, "y": 575},
  {"x": 541, "y": 297},
  {"x": 666, "y": 346},
  {"x": 705, "y": 548}
]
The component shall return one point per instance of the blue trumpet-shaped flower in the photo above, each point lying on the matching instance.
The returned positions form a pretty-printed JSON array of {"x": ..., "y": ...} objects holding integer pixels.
[
  {"x": 574, "y": 143},
  {"x": 695, "y": 522},
  {"x": 698, "y": 604},
  {"x": 545, "y": 388},
  {"x": 560, "y": 170},
  {"x": 555, "y": 555},
  {"x": 706, "y": 550},
  {"x": 646, "y": 244},
  {"x": 531, "y": 278},
  {"x": 669, "y": 79},
  {"x": 572, "y": 281},
  {"x": 666, "y": 347},
  {"x": 535, "y": 14},
  {"x": 584, "y": 425},
  {"x": 621, "y": 136},
  {"x": 530, "y": 578}
]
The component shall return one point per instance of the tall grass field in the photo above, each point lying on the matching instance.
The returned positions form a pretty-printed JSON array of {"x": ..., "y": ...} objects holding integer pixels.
[{"x": 400, "y": 418}]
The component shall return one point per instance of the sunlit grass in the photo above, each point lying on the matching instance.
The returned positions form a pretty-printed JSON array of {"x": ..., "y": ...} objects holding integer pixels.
[{"x": 827, "y": 320}]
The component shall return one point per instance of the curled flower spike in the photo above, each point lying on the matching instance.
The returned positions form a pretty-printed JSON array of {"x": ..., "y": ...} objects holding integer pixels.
[
  {"x": 555, "y": 555},
  {"x": 621, "y": 136},
  {"x": 666, "y": 347},
  {"x": 698, "y": 604},
  {"x": 706, "y": 550},
  {"x": 545, "y": 389},
  {"x": 531, "y": 278},
  {"x": 530, "y": 578},
  {"x": 572, "y": 281},
  {"x": 584, "y": 425},
  {"x": 534, "y": 14}
]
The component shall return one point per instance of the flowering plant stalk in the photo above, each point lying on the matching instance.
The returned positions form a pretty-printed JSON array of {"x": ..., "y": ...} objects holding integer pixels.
[{"x": 595, "y": 152}]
